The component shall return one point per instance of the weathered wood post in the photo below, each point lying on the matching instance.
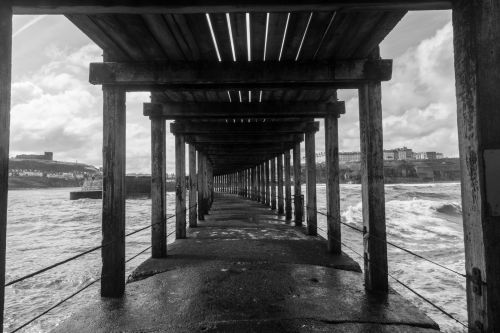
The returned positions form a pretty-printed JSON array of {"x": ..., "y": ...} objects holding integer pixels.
[
  {"x": 180, "y": 187},
  {"x": 288, "y": 187},
  {"x": 158, "y": 190},
  {"x": 312, "y": 215},
  {"x": 273, "y": 183},
  {"x": 262, "y": 184},
  {"x": 201, "y": 202},
  {"x": 372, "y": 189},
  {"x": 281, "y": 199},
  {"x": 5, "y": 97},
  {"x": 267, "y": 184},
  {"x": 113, "y": 194},
  {"x": 476, "y": 27},
  {"x": 253, "y": 183},
  {"x": 298, "y": 203},
  {"x": 332, "y": 184},
  {"x": 206, "y": 184}
]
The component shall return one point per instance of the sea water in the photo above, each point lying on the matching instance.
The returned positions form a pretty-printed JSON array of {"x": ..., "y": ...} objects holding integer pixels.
[{"x": 45, "y": 226}]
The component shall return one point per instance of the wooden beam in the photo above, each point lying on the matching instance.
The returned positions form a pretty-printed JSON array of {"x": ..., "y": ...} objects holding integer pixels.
[
  {"x": 298, "y": 203},
  {"x": 201, "y": 172},
  {"x": 189, "y": 128},
  {"x": 332, "y": 185},
  {"x": 113, "y": 194},
  {"x": 180, "y": 187},
  {"x": 172, "y": 74},
  {"x": 244, "y": 139},
  {"x": 476, "y": 27},
  {"x": 214, "y": 110},
  {"x": 312, "y": 215},
  {"x": 288, "y": 187},
  {"x": 281, "y": 198},
  {"x": 158, "y": 190},
  {"x": 5, "y": 101},
  {"x": 372, "y": 184},
  {"x": 267, "y": 184},
  {"x": 193, "y": 218},
  {"x": 273, "y": 183},
  {"x": 92, "y": 7}
]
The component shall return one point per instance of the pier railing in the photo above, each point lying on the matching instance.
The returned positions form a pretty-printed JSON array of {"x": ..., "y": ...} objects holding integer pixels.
[
  {"x": 300, "y": 201},
  {"x": 79, "y": 255}
]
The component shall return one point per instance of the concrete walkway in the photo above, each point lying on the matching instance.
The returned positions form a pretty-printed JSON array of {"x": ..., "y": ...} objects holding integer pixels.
[{"x": 245, "y": 270}]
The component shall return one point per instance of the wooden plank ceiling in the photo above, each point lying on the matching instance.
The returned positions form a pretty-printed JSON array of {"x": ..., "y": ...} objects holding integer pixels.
[{"x": 240, "y": 37}]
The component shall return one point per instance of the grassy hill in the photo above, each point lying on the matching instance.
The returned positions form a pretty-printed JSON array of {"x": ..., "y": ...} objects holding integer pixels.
[{"x": 51, "y": 166}]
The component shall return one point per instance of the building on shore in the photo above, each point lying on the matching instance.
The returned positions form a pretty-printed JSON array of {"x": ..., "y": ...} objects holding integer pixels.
[
  {"x": 47, "y": 156},
  {"x": 352, "y": 156}
]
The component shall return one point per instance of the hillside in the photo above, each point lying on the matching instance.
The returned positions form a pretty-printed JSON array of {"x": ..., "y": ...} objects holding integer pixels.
[
  {"x": 51, "y": 166},
  {"x": 30, "y": 173}
]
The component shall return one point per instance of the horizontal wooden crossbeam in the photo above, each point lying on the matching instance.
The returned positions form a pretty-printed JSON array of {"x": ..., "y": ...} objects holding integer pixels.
[
  {"x": 243, "y": 75},
  {"x": 244, "y": 139},
  {"x": 214, "y": 110},
  {"x": 210, "y": 6},
  {"x": 189, "y": 128}
]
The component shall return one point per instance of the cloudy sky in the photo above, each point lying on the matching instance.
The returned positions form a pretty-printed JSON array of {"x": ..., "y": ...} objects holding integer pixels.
[{"x": 54, "y": 108}]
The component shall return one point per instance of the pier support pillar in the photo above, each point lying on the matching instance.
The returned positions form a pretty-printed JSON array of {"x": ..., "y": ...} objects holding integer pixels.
[
  {"x": 332, "y": 184},
  {"x": 273, "y": 183},
  {"x": 180, "y": 187},
  {"x": 312, "y": 215},
  {"x": 262, "y": 184},
  {"x": 267, "y": 184},
  {"x": 201, "y": 172},
  {"x": 281, "y": 199},
  {"x": 113, "y": 194},
  {"x": 252, "y": 183},
  {"x": 158, "y": 190},
  {"x": 5, "y": 97},
  {"x": 288, "y": 187},
  {"x": 372, "y": 189},
  {"x": 298, "y": 203},
  {"x": 477, "y": 60}
]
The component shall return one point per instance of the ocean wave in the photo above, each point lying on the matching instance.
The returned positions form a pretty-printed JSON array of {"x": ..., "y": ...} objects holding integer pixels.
[{"x": 452, "y": 209}]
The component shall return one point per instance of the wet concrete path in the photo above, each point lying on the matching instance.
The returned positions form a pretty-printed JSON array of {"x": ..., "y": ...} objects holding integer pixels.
[{"x": 245, "y": 270}]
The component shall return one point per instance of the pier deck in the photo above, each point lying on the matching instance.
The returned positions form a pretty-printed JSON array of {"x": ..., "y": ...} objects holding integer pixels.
[{"x": 245, "y": 270}]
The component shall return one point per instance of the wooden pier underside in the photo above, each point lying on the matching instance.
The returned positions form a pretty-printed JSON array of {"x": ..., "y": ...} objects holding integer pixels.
[{"x": 245, "y": 270}]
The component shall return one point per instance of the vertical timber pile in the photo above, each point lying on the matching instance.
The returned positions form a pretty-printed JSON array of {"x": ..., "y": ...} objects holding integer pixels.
[
  {"x": 332, "y": 184},
  {"x": 158, "y": 190},
  {"x": 267, "y": 184},
  {"x": 288, "y": 187},
  {"x": 273, "y": 183},
  {"x": 298, "y": 204},
  {"x": 253, "y": 184},
  {"x": 5, "y": 97},
  {"x": 372, "y": 187},
  {"x": 113, "y": 194},
  {"x": 192, "y": 187},
  {"x": 312, "y": 218},
  {"x": 201, "y": 208},
  {"x": 180, "y": 187},
  {"x": 281, "y": 199},
  {"x": 262, "y": 184},
  {"x": 477, "y": 61}
]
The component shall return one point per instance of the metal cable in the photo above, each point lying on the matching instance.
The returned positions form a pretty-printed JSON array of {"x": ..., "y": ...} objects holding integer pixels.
[
  {"x": 85, "y": 253},
  {"x": 403, "y": 249},
  {"x": 72, "y": 295},
  {"x": 440, "y": 309}
]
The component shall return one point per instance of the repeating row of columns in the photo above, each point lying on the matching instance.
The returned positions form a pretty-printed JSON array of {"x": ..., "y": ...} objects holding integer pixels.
[{"x": 477, "y": 56}]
